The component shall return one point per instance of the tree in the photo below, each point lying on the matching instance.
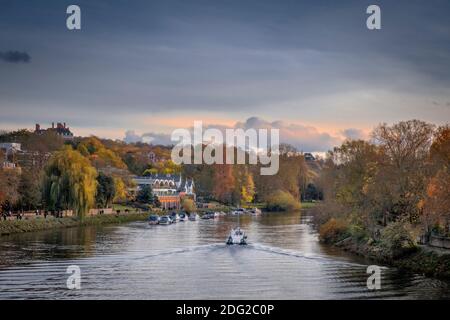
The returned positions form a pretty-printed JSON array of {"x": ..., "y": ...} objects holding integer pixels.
[
  {"x": 69, "y": 182},
  {"x": 9, "y": 186},
  {"x": 440, "y": 149},
  {"x": 282, "y": 201},
  {"x": 106, "y": 190},
  {"x": 247, "y": 189},
  {"x": 188, "y": 205},
  {"x": 145, "y": 195},
  {"x": 224, "y": 183},
  {"x": 436, "y": 207},
  {"x": 30, "y": 189},
  {"x": 121, "y": 190},
  {"x": 402, "y": 169}
]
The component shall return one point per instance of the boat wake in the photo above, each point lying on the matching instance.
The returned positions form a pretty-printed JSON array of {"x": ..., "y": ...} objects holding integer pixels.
[
  {"x": 181, "y": 250},
  {"x": 297, "y": 254}
]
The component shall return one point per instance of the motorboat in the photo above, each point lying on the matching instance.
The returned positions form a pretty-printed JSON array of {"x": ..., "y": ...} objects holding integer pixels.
[
  {"x": 193, "y": 216},
  {"x": 237, "y": 236},
  {"x": 165, "y": 220},
  {"x": 238, "y": 211},
  {"x": 183, "y": 216},
  {"x": 215, "y": 214},
  {"x": 175, "y": 217},
  {"x": 153, "y": 219},
  {"x": 206, "y": 216}
]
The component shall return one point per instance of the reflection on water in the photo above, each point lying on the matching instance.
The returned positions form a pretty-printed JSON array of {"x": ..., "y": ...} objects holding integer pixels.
[{"x": 189, "y": 260}]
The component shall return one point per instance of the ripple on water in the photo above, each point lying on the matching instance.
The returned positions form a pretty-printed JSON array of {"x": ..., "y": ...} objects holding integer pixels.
[{"x": 189, "y": 261}]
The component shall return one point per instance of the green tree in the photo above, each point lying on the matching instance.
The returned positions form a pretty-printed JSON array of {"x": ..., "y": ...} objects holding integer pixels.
[
  {"x": 145, "y": 195},
  {"x": 106, "y": 190},
  {"x": 69, "y": 182}
]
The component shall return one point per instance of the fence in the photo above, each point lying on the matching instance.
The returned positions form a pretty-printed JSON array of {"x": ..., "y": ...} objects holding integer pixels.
[{"x": 439, "y": 242}]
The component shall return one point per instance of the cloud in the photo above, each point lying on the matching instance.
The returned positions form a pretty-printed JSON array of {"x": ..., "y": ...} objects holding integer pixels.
[
  {"x": 304, "y": 138},
  {"x": 354, "y": 134},
  {"x": 15, "y": 56},
  {"x": 150, "y": 137}
]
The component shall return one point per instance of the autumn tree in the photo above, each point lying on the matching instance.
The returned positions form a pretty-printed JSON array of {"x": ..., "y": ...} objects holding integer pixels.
[
  {"x": 120, "y": 188},
  {"x": 188, "y": 205},
  {"x": 403, "y": 167},
  {"x": 69, "y": 182},
  {"x": 224, "y": 183},
  {"x": 436, "y": 206},
  {"x": 9, "y": 188},
  {"x": 247, "y": 188},
  {"x": 30, "y": 189}
]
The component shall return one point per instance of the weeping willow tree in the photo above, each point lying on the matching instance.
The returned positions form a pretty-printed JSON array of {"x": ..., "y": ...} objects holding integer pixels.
[{"x": 69, "y": 182}]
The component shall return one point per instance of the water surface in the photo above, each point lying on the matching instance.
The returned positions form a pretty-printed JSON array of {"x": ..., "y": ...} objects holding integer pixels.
[{"x": 189, "y": 260}]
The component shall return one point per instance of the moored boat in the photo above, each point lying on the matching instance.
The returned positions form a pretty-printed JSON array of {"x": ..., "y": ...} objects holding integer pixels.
[
  {"x": 255, "y": 212},
  {"x": 153, "y": 219},
  {"x": 193, "y": 216}
]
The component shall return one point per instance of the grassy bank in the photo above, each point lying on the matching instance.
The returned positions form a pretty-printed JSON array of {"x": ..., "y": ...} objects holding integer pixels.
[
  {"x": 38, "y": 224},
  {"x": 422, "y": 260}
]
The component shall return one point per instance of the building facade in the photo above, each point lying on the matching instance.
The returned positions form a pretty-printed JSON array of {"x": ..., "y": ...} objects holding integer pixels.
[
  {"x": 61, "y": 130},
  {"x": 169, "y": 188}
]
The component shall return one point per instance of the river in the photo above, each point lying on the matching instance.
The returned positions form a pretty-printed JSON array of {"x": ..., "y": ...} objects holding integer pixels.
[{"x": 189, "y": 260}]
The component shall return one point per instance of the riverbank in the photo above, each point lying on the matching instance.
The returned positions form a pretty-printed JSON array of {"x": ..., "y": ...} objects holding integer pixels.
[
  {"x": 422, "y": 259},
  {"x": 41, "y": 223}
]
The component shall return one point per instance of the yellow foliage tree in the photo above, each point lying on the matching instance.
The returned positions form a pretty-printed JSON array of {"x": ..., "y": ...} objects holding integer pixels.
[{"x": 69, "y": 182}]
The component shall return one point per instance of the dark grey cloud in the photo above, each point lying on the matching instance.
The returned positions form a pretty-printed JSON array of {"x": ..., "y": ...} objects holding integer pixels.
[
  {"x": 14, "y": 56},
  {"x": 310, "y": 61}
]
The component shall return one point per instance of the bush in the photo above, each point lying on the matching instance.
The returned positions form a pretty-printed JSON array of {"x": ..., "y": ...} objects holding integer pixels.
[
  {"x": 398, "y": 239},
  {"x": 333, "y": 230},
  {"x": 282, "y": 201},
  {"x": 188, "y": 205}
]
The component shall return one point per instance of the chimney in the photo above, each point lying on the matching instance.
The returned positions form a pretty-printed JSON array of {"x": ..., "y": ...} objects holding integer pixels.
[
  {"x": 38, "y": 127},
  {"x": 53, "y": 125}
]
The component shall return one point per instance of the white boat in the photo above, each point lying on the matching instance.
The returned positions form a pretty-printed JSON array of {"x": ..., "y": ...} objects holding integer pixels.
[
  {"x": 238, "y": 211},
  {"x": 193, "y": 216},
  {"x": 237, "y": 236},
  {"x": 183, "y": 217},
  {"x": 165, "y": 220},
  {"x": 255, "y": 211}
]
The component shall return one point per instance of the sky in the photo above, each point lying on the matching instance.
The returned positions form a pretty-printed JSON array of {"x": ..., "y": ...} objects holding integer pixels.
[{"x": 139, "y": 69}]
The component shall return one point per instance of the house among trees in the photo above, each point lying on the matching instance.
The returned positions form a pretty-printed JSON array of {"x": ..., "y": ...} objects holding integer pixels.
[
  {"x": 61, "y": 129},
  {"x": 9, "y": 150},
  {"x": 169, "y": 188}
]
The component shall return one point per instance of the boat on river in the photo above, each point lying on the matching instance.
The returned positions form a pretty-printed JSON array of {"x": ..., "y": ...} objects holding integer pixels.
[{"x": 237, "y": 235}]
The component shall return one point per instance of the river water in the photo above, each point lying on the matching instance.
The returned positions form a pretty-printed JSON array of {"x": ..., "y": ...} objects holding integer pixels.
[{"x": 189, "y": 260}]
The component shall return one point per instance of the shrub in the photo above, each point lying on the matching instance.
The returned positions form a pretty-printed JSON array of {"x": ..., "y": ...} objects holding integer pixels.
[
  {"x": 281, "y": 201},
  {"x": 188, "y": 205},
  {"x": 333, "y": 230},
  {"x": 397, "y": 239}
]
